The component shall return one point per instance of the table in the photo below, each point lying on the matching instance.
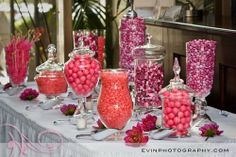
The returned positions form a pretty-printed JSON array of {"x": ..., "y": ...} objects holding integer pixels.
[{"x": 35, "y": 122}]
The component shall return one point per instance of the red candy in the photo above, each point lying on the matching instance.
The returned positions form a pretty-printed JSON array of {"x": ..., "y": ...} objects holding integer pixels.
[
  {"x": 114, "y": 104},
  {"x": 51, "y": 83},
  {"x": 177, "y": 111},
  {"x": 82, "y": 73}
]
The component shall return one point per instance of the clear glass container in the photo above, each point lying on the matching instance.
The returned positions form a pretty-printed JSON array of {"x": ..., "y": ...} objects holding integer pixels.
[
  {"x": 176, "y": 105},
  {"x": 200, "y": 67},
  {"x": 82, "y": 72},
  {"x": 132, "y": 34},
  {"x": 114, "y": 103},
  {"x": 51, "y": 80},
  {"x": 148, "y": 75}
]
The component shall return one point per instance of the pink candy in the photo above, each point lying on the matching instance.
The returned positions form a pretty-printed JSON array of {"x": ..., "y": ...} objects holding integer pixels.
[
  {"x": 114, "y": 104},
  {"x": 89, "y": 39},
  {"x": 177, "y": 111},
  {"x": 95, "y": 42},
  {"x": 200, "y": 65},
  {"x": 82, "y": 73},
  {"x": 101, "y": 50},
  {"x": 17, "y": 59},
  {"x": 148, "y": 82},
  {"x": 132, "y": 34}
]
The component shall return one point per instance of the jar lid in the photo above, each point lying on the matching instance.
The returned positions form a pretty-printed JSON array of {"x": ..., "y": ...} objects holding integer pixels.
[
  {"x": 51, "y": 64},
  {"x": 131, "y": 12},
  {"x": 82, "y": 50},
  {"x": 177, "y": 82},
  {"x": 149, "y": 49}
]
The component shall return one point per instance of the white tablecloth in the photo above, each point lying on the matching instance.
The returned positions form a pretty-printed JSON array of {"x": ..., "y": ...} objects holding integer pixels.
[{"x": 32, "y": 123}]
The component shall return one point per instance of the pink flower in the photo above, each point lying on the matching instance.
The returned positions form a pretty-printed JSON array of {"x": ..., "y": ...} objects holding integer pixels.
[
  {"x": 135, "y": 137},
  {"x": 149, "y": 123},
  {"x": 29, "y": 94},
  {"x": 210, "y": 130},
  {"x": 68, "y": 110},
  {"x": 99, "y": 125}
]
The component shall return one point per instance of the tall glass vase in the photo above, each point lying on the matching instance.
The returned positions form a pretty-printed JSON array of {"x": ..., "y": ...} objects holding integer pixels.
[
  {"x": 17, "y": 66},
  {"x": 200, "y": 71},
  {"x": 114, "y": 103}
]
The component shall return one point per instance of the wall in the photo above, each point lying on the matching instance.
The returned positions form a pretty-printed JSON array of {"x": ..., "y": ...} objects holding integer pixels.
[{"x": 224, "y": 92}]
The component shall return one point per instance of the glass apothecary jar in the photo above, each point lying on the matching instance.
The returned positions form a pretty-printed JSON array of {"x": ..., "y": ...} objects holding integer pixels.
[
  {"x": 51, "y": 80},
  {"x": 82, "y": 72},
  {"x": 176, "y": 105},
  {"x": 148, "y": 75}
]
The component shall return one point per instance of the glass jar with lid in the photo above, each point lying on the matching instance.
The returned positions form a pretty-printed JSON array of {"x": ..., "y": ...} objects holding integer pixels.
[
  {"x": 176, "y": 105},
  {"x": 50, "y": 78},
  {"x": 148, "y": 75},
  {"x": 82, "y": 73}
]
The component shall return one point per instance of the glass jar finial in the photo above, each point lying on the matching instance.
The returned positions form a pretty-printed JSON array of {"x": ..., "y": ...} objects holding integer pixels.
[
  {"x": 131, "y": 13},
  {"x": 176, "y": 70}
]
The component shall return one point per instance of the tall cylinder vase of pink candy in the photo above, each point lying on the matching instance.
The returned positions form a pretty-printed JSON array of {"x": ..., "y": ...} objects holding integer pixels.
[
  {"x": 17, "y": 66},
  {"x": 200, "y": 70}
]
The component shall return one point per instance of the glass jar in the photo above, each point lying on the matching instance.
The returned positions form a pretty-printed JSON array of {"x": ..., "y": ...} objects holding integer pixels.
[
  {"x": 114, "y": 103},
  {"x": 17, "y": 61},
  {"x": 51, "y": 80},
  {"x": 176, "y": 105},
  {"x": 148, "y": 74},
  {"x": 82, "y": 71},
  {"x": 132, "y": 34}
]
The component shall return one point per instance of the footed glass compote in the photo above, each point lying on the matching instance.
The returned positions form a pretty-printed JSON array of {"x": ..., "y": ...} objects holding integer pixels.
[
  {"x": 50, "y": 80},
  {"x": 82, "y": 74},
  {"x": 200, "y": 66}
]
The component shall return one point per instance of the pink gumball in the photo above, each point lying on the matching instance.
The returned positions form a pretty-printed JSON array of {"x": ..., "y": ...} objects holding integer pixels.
[
  {"x": 183, "y": 108},
  {"x": 177, "y": 104},
  {"x": 170, "y": 122},
  {"x": 176, "y": 120},
  {"x": 187, "y": 113},
  {"x": 171, "y": 116},
  {"x": 175, "y": 110},
  {"x": 180, "y": 126},
  {"x": 180, "y": 114},
  {"x": 183, "y": 120}
]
